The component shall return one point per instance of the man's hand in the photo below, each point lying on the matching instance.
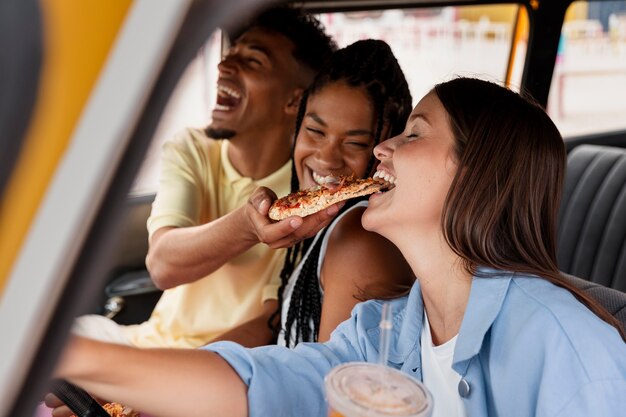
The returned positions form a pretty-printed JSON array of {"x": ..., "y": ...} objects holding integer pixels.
[
  {"x": 289, "y": 231},
  {"x": 59, "y": 409}
]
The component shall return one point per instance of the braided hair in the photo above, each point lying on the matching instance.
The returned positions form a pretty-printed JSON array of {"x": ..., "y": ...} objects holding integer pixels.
[{"x": 370, "y": 65}]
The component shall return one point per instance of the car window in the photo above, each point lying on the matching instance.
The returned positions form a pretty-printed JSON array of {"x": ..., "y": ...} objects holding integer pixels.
[
  {"x": 437, "y": 43},
  {"x": 190, "y": 105},
  {"x": 588, "y": 90}
]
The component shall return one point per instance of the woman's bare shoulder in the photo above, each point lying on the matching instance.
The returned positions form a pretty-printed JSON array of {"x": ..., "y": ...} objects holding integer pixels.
[{"x": 364, "y": 260}]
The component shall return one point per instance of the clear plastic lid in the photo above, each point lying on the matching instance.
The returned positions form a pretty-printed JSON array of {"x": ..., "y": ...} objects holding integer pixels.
[{"x": 369, "y": 390}]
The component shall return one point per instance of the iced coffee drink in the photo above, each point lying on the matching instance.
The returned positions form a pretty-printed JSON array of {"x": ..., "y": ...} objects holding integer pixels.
[{"x": 367, "y": 390}]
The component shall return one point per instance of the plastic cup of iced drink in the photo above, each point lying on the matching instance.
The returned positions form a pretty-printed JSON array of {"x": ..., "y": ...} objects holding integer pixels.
[{"x": 360, "y": 389}]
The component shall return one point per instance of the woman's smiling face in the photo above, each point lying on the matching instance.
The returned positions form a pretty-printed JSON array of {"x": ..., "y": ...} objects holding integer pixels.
[
  {"x": 337, "y": 135},
  {"x": 421, "y": 163}
]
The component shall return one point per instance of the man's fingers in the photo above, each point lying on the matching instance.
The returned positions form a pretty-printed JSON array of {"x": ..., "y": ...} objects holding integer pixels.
[
  {"x": 264, "y": 206},
  {"x": 291, "y": 230},
  {"x": 52, "y": 401},
  {"x": 261, "y": 205},
  {"x": 274, "y": 232},
  {"x": 310, "y": 227},
  {"x": 62, "y": 411},
  {"x": 296, "y": 222},
  {"x": 59, "y": 409},
  {"x": 298, "y": 234},
  {"x": 333, "y": 210},
  {"x": 261, "y": 199},
  {"x": 316, "y": 221}
]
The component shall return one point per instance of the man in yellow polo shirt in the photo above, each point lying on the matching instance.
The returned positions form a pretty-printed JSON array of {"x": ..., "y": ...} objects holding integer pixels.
[{"x": 220, "y": 282}]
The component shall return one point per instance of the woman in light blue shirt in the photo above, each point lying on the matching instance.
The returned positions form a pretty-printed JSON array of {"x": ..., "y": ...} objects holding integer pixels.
[{"x": 478, "y": 173}]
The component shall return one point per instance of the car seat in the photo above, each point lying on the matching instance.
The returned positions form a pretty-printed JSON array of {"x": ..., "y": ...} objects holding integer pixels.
[{"x": 591, "y": 239}]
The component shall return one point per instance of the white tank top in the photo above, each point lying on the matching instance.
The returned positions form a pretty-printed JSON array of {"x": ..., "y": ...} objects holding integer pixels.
[{"x": 292, "y": 280}]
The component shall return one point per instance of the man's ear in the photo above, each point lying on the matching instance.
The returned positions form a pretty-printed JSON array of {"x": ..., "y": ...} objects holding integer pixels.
[{"x": 294, "y": 102}]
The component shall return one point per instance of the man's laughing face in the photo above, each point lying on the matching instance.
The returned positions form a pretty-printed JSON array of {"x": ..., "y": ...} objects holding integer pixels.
[{"x": 256, "y": 79}]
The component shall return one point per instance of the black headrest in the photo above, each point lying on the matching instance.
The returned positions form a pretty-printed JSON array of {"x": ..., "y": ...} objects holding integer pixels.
[{"x": 592, "y": 219}]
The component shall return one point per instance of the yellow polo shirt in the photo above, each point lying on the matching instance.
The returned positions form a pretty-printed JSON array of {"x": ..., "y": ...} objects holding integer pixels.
[{"x": 198, "y": 184}]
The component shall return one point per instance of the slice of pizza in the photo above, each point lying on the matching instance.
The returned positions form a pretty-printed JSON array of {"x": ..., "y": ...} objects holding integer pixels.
[{"x": 305, "y": 202}]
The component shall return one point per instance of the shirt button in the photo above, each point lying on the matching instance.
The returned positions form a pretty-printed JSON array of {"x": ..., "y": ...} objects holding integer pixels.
[{"x": 464, "y": 388}]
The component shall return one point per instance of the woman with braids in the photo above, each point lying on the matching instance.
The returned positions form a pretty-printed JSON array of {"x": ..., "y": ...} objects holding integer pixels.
[
  {"x": 359, "y": 98},
  {"x": 489, "y": 326}
]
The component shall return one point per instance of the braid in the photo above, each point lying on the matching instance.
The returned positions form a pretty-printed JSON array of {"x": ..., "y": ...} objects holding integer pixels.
[
  {"x": 306, "y": 299},
  {"x": 294, "y": 252},
  {"x": 285, "y": 273},
  {"x": 302, "y": 298},
  {"x": 371, "y": 66}
]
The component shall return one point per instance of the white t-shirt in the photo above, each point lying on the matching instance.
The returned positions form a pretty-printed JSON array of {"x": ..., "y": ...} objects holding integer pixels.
[{"x": 439, "y": 377}]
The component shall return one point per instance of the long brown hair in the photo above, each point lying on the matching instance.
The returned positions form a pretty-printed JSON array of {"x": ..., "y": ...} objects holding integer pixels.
[{"x": 502, "y": 207}]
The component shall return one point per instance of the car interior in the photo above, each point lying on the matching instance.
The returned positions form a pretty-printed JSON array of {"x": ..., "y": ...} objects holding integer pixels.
[
  {"x": 589, "y": 240},
  {"x": 592, "y": 224},
  {"x": 105, "y": 272}
]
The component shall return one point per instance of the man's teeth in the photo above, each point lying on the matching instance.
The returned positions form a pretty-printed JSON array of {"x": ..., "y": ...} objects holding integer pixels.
[
  {"x": 385, "y": 176},
  {"x": 221, "y": 107},
  {"x": 228, "y": 91},
  {"x": 329, "y": 179}
]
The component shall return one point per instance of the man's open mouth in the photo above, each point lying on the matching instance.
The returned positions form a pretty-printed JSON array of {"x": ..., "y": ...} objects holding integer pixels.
[{"x": 227, "y": 98}]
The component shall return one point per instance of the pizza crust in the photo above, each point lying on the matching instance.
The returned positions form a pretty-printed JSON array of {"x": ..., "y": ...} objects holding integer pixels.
[{"x": 306, "y": 202}]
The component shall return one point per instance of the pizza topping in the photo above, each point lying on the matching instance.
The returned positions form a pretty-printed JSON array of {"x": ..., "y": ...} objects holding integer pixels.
[{"x": 305, "y": 202}]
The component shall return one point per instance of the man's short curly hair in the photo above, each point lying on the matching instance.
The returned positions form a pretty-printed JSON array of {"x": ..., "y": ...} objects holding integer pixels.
[{"x": 312, "y": 46}]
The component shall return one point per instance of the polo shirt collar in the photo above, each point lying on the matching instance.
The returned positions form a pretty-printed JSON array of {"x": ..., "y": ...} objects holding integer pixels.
[
  {"x": 276, "y": 180},
  {"x": 272, "y": 181},
  {"x": 231, "y": 174}
]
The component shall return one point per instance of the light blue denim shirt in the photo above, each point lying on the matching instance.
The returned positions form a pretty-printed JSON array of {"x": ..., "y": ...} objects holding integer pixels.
[{"x": 526, "y": 348}]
